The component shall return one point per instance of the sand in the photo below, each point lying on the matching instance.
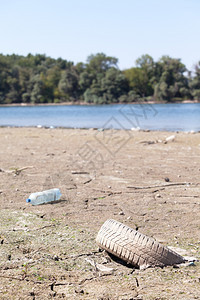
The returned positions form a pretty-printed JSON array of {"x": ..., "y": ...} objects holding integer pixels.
[{"x": 134, "y": 177}]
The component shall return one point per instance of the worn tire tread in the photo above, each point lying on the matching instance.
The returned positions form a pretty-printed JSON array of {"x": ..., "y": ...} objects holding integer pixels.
[{"x": 134, "y": 247}]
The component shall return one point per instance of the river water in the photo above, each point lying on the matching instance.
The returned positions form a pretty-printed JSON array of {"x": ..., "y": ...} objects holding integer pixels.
[{"x": 169, "y": 117}]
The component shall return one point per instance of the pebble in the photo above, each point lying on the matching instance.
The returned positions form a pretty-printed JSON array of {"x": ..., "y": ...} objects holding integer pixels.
[
  {"x": 56, "y": 258},
  {"x": 121, "y": 213},
  {"x": 79, "y": 291}
]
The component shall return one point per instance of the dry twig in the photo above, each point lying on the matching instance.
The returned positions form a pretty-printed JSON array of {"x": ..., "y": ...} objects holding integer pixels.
[
  {"x": 16, "y": 171},
  {"x": 156, "y": 186}
]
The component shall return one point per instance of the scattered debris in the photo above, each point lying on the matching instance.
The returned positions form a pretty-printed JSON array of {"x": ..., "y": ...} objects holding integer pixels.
[
  {"x": 148, "y": 142},
  {"x": 121, "y": 213},
  {"x": 170, "y": 138},
  {"x": 79, "y": 290},
  {"x": 44, "y": 197},
  {"x": 88, "y": 181},
  {"x": 158, "y": 196},
  {"x": 99, "y": 267},
  {"x": 155, "y": 186},
  {"x": 190, "y": 258},
  {"x": 79, "y": 172},
  {"x": 16, "y": 171},
  {"x": 135, "y": 128}
]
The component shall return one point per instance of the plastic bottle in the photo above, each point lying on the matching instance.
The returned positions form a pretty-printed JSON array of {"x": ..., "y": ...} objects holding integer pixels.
[{"x": 44, "y": 197}]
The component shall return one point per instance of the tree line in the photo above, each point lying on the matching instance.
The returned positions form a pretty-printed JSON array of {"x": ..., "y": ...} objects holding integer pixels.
[{"x": 40, "y": 79}]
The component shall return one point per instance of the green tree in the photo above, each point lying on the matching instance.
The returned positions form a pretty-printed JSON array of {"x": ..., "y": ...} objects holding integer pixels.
[
  {"x": 85, "y": 80},
  {"x": 99, "y": 72},
  {"x": 100, "y": 63},
  {"x": 51, "y": 80},
  {"x": 36, "y": 95},
  {"x": 114, "y": 85},
  {"x": 195, "y": 83},
  {"x": 107, "y": 89},
  {"x": 142, "y": 77},
  {"x": 68, "y": 84},
  {"x": 13, "y": 95},
  {"x": 172, "y": 83},
  {"x": 39, "y": 79}
]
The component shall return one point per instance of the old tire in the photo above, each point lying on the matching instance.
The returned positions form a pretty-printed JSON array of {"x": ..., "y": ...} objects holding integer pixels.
[{"x": 133, "y": 247}]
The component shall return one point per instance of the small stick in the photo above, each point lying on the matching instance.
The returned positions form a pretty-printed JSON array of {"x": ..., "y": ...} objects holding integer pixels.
[
  {"x": 88, "y": 181},
  {"x": 82, "y": 254},
  {"x": 155, "y": 186},
  {"x": 79, "y": 172},
  {"x": 16, "y": 170}
]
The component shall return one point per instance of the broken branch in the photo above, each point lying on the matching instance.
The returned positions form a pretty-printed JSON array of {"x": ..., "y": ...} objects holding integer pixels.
[{"x": 156, "y": 186}]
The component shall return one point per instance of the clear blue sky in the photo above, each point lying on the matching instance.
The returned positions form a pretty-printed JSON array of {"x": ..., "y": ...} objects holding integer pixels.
[{"x": 126, "y": 29}]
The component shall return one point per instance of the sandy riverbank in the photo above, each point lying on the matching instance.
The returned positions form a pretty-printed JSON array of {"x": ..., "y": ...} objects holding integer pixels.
[{"x": 43, "y": 249}]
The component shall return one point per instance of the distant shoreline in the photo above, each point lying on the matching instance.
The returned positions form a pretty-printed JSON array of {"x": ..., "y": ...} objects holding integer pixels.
[
  {"x": 39, "y": 127},
  {"x": 81, "y": 103}
]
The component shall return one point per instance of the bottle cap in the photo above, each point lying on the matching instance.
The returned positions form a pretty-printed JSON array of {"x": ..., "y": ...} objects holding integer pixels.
[{"x": 28, "y": 200}]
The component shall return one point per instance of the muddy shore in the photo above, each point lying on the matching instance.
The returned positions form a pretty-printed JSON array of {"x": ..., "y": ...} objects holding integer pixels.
[{"x": 134, "y": 177}]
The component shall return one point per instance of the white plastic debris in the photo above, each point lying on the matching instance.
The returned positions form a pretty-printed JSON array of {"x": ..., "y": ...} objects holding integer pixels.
[
  {"x": 44, "y": 197},
  {"x": 170, "y": 138}
]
